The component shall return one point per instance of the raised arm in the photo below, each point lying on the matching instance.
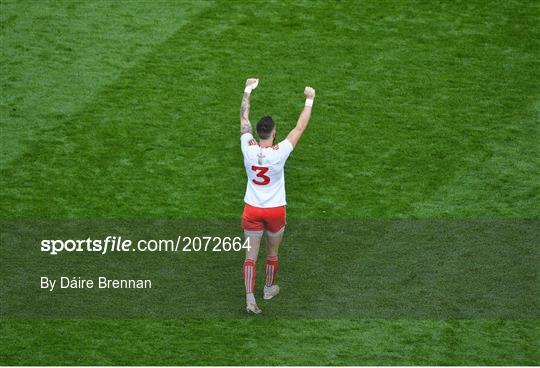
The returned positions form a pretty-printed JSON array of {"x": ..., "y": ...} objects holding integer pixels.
[
  {"x": 303, "y": 120},
  {"x": 245, "y": 125}
]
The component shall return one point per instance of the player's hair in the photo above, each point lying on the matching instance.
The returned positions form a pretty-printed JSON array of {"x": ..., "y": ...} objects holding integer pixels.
[{"x": 265, "y": 126}]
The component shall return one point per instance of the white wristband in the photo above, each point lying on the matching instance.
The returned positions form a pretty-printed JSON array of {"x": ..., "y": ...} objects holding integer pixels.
[
  {"x": 248, "y": 89},
  {"x": 309, "y": 102}
]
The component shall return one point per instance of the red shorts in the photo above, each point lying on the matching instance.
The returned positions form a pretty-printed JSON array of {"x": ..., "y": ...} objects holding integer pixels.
[{"x": 259, "y": 219}]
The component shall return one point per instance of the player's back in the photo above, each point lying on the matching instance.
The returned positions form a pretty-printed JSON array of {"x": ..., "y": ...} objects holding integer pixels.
[{"x": 265, "y": 172}]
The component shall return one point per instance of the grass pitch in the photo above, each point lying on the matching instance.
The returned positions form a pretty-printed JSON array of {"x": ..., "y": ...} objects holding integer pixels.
[{"x": 130, "y": 111}]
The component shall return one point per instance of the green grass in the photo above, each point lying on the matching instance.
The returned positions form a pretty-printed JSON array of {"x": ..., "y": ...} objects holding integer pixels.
[
  {"x": 315, "y": 342},
  {"x": 130, "y": 111}
]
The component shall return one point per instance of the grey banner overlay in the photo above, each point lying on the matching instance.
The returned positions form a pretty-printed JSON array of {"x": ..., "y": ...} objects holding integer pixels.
[{"x": 445, "y": 269}]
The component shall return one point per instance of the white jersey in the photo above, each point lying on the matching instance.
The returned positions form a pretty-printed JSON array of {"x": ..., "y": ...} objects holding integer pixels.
[{"x": 265, "y": 172}]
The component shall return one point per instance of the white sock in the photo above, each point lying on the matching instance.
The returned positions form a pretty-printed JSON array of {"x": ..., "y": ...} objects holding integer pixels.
[{"x": 250, "y": 299}]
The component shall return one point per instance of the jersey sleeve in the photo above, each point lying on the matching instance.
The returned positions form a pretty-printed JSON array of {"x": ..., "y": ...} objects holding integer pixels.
[
  {"x": 285, "y": 149},
  {"x": 244, "y": 140}
]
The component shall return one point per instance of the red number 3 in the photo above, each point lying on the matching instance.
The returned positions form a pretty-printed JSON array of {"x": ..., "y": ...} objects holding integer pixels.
[{"x": 261, "y": 171}]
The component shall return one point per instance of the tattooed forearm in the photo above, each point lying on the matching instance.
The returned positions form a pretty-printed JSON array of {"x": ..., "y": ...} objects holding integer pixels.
[
  {"x": 245, "y": 125},
  {"x": 244, "y": 108}
]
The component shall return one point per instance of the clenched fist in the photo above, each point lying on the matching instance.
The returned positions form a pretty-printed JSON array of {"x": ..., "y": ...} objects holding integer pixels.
[
  {"x": 251, "y": 84},
  {"x": 309, "y": 92}
]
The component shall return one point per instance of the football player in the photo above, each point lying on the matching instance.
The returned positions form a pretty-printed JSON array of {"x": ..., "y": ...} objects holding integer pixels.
[{"x": 264, "y": 208}]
